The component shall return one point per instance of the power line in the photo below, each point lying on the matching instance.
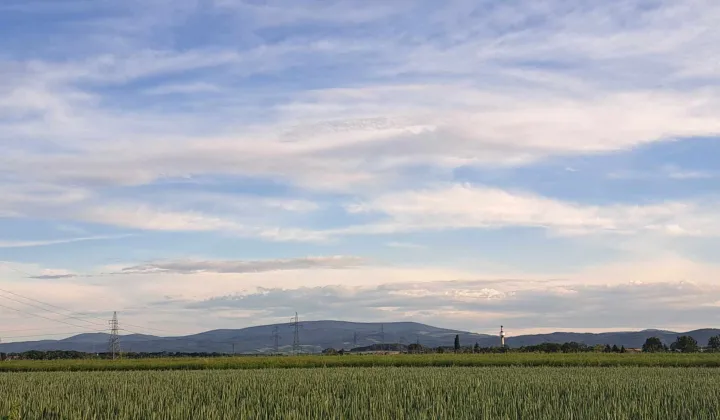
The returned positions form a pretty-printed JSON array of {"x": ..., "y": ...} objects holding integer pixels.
[
  {"x": 53, "y": 319},
  {"x": 25, "y": 329},
  {"x": 49, "y": 304},
  {"x": 65, "y": 309},
  {"x": 51, "y": 311},
  {"x": 44, "y": 317},
  {"x": 48, "y": 334},
  {"x": 69, "y": 333},
  {"x": 79, "y": 313},
  {"x": 48, "y": 310}
]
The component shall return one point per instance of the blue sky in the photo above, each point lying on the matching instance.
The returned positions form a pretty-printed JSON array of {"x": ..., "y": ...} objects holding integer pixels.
[{"x": 181, "y": 161}]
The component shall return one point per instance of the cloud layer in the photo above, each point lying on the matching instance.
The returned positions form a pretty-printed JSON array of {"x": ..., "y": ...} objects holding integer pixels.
[{"x": 528, "y": 140}]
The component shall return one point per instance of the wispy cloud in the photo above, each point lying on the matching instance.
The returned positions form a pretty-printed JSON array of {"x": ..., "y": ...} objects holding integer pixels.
[
  {"x": 189, "y": 88},
  {"x": 54, "y": 276},
  {"x": 237, "y": 267},
  {"x": 406, "y": 245},
  {"x": 666, "y": 171},
  {"x": 461, "y": 206},
  {"x": 48, "y": 242}
]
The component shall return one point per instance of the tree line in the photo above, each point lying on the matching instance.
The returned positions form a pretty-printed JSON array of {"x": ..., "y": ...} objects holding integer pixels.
[
  {"x": 683, "y": 344},
  {"x": 70, "y": 354}
]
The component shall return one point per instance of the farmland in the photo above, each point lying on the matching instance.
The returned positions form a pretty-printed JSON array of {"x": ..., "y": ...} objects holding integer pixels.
[
  {"x": 424, "y": 360},
  {"x": 378, "y": 393}
]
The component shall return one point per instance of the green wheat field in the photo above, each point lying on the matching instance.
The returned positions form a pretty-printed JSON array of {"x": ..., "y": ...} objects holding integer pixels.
[
  {"x": 367, "y": 393},
  {"x": 400, "y": 360}
]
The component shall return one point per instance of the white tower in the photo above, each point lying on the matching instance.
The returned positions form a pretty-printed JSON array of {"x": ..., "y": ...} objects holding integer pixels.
[{"x": 502, "y": 337}]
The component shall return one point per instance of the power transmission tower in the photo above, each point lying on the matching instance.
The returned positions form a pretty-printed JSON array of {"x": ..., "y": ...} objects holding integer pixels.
[
  {"x": 296, "y": 335},
  {"x": 276, "y": 339},
  {"x": 355, "y": 339},
  {"x": 114, "y": 344}
]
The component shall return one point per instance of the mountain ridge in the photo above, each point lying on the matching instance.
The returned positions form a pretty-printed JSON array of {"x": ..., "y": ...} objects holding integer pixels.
[{"x": 318, "y": 335}]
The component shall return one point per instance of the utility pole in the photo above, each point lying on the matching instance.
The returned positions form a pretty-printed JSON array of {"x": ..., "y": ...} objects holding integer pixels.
[
  {"x": 296, "y": 335},
  {"x": 276, "y": 339},
  {"x": 114, "y": 344}
]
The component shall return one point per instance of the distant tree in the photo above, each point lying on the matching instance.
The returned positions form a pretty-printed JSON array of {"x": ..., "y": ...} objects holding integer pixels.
[
  {"x": 598, "y": 348},
  {"x": 607, "y": 349},
  {"x": 615, "y": 349},
  {"x": 476, "y": 349},
  {"x": 622, "y": 349},
  {"x": 330, "y": 351},
  {"x": 441, "y": 350},
  {"x": 573, "y": 347},
  {"x": 551, "y": 347},
  {"x": 653, "y": 345},
  {"x": 685, "y": 344},
  {"x": 457, "y": 343},
  {"x": 415, "y": 348},
  {"x": 714, "y": 344}
]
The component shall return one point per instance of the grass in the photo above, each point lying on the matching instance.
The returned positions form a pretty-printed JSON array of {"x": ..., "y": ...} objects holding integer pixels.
[
  {"x": 367, "y": 393},
  {"x": 429, "y": 360}
]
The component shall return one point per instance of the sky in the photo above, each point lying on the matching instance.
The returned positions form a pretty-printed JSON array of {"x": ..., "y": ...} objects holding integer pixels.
[{"x": 200, "y": 164}]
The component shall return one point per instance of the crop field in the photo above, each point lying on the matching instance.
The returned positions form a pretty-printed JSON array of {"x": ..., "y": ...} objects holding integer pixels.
[
  {"x": 425, "y": 360},
  {"x": 367, "y": 393}
]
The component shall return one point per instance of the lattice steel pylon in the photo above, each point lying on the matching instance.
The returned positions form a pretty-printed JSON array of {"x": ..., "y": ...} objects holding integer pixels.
[
  {"x": 296, "y": 335},
  {"x": 114, "y": 342}
]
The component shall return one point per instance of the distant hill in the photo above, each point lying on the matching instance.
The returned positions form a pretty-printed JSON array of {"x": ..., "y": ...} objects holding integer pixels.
[
  {"x": 632, "y": 339},
  {"x": 318, "y": 335}
]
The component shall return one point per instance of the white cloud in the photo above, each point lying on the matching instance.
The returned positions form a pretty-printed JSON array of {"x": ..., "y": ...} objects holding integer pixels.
[
  {"x": 480, "y": 103},
  {"x": 225, "y": 267},
  {"x": 407, "y": 245},
  {"x": 461, "y": 206},
  {"x": 442, "y": 126},
  {"x": 237, "y": 214},
  {"x": 666, "y": 171},
  {"x": 669, "y": 292},
  {"x": 46, "y": 242}
]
